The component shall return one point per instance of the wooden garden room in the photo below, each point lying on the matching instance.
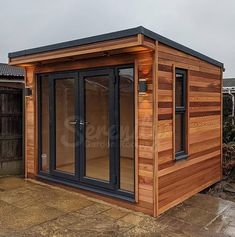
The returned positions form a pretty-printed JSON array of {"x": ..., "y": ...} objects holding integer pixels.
[{"x": 129, "y": 117}]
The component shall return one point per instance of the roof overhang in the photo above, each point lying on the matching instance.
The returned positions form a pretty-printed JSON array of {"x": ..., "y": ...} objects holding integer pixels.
[
  {"x": 135, "y": 39},
  {"x": 114, "y": 46}
]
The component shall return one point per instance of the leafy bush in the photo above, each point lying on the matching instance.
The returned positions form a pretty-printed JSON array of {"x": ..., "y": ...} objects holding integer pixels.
[
  {"x": 227, "y": 105},
  {"x": 228, "y": 120},
  {"x": 228, "y": 137},
  {"x": 228, "y": 130},
  {"x": 228, "y": 159}
]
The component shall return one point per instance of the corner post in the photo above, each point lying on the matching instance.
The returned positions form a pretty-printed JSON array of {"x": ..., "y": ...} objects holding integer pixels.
[
  {"x": 30, "y": 124},
  {"x": 155, "y": 130}
]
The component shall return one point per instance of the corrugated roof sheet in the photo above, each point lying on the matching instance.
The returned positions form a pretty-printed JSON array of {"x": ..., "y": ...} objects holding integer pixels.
[
  {"x": 10, "y": 71},
  {"x": 229, "y": 82}
]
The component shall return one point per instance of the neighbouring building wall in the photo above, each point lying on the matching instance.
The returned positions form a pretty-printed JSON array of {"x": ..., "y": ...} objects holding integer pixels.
[{"x": 178, "y": 180}]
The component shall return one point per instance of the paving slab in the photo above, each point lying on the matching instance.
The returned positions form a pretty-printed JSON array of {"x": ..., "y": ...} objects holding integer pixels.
[
  {"x": 115, "y": 213},
  {"x": 13, "y": 182},
  {"x": 133, "y": 219},
  {"x": 29, "y": 208},
  {"x": 94, "y": 209},
  {"x": 25, "y": 218},
  {"x": 208, "y": 203},
  {"x": 6, "y": 209}
]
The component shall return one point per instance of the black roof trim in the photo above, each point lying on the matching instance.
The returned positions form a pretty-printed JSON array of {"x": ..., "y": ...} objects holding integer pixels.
[
  {"x": 117, "y": 35},
  {"x": 78, "y": 42},
  {"x": 180, "y": 47}
]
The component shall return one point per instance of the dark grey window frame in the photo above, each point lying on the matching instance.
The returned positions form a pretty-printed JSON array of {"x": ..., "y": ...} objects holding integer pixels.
[{"x": 182, "y": 110}]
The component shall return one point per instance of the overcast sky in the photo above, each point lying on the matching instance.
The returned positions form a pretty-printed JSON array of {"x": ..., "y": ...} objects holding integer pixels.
[{"x": 207, "y": 26}]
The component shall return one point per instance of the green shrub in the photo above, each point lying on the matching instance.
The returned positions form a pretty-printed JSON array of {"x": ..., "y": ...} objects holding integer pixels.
[
  {"x": 228, "y": 120},
  {"x": 227, "y": 105},
  {"x": 228, "y": 130},
  {"x": 228, "y": 159},
  {"x": 228, "y": 137}
]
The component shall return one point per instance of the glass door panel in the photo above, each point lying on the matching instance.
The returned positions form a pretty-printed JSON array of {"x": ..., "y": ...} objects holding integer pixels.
[
  {"x": 65, "y": 125},
  {"x": 97, "y": 127},
  {"x": 44, "y": 123},
  {"x": 127, "y": 129}
]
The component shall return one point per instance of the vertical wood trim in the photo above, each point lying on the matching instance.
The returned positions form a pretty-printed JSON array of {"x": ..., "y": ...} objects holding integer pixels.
[
  {"x": 30, "y": 123},
  {"x": 221, "y": 123},
  {"x": 155, "y": 129},
  {"x": 173, "y": 115},
  {"x": 187, "y": 113},
  {"x": 140, "y": 38},
  {"x": 136, "y": 133}
]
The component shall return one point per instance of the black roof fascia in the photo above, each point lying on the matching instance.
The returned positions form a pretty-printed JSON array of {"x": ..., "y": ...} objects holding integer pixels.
[
  {"x": 180, "y": 47},
  {"x": 117, "y": 35},
  {"x": 78, "y": 42}
]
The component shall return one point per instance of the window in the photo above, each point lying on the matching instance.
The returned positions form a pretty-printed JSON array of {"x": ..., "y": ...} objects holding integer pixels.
[
  {"x": 127, "y": 128},
  {"x": 180, "y": 114},
  {"x": 44, "y": 123}
]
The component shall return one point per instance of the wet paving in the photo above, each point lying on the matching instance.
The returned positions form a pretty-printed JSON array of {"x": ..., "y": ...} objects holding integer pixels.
[{"x": 33, "y": 209}]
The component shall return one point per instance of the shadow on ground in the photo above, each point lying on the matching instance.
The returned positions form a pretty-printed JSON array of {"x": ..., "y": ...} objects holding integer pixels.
[{"x": 34, "y": 209}]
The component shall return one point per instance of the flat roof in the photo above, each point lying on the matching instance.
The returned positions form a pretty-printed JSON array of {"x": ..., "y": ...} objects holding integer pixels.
[{"x": 116, "y": 35}]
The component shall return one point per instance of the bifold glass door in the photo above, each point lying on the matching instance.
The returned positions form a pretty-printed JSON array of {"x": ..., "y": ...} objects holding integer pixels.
[{"x": 86, "y": 122}]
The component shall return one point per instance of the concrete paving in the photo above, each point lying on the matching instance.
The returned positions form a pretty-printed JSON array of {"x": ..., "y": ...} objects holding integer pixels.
[{"x": 33, "y": 209}]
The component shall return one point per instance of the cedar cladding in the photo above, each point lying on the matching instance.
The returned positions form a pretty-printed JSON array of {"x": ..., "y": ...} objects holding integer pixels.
[{"x": 180, "y": 180}]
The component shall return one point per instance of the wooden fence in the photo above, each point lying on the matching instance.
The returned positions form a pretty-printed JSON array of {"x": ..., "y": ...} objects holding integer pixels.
[{"x": 10, "y": 124}]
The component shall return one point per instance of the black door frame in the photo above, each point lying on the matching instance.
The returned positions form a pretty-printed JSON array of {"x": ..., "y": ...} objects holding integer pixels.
[
  {"x": 78, "y": 180},
  {"x": 112, "y": 128},
  {"x": 52, "y": 121}
]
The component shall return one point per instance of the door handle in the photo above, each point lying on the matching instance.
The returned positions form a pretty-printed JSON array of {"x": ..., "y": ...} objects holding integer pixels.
[
  {"x": 73, "y": 122},
  {"x": 83, "y": 123}
]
